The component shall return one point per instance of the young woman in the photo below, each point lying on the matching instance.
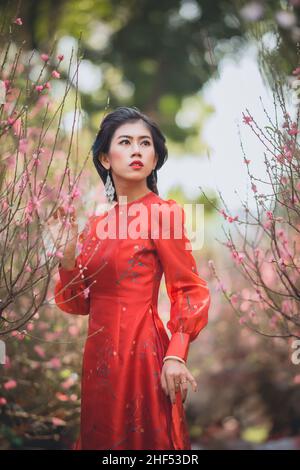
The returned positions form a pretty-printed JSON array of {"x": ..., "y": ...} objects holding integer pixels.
[{"x": 134, "y": 378}]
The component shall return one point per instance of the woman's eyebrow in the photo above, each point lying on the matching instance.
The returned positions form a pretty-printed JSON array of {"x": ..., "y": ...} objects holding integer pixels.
[{"x": 130, "y": 136}]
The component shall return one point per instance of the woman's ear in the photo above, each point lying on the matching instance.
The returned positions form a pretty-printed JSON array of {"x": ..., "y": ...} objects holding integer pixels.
[{"x": 103, "y": 159}]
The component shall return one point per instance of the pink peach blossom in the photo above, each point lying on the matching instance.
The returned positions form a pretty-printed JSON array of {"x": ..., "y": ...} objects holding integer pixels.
[
  {"x": 55, "y": 363},
  {"x": 23, "y": 145},
  {"x": 232, "y": 219},
  {"x": 267, "y": 224},
  {"x": 58, "y": 421},
  {"x": 223, "y": 213},
  {"x": 55, "y": 74},
  {"x": 45, "y": 57},
  {"x": 10, "y": 384},
  {"x": 39, "y": 350},
  {"x": 61, "y": 396},
  {"x": 234, "y": 299},
  {"x": 247, "y": 119}
]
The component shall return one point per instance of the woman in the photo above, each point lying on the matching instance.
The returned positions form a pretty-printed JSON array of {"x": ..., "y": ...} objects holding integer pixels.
[{"x": 134, "y": 378}]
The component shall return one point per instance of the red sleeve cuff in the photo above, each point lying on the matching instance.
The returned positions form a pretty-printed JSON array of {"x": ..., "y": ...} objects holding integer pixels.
[
  {"x": 179, "y": 345},
  {"x": 72, "y": 277}
]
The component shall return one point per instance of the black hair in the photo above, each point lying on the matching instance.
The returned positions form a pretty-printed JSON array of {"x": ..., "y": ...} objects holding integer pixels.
[{"x": 110, "y": 123}]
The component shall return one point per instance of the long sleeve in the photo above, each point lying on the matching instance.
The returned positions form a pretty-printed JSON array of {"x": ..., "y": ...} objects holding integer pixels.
[
  {"x": 71, "y": 291},
  {"x": 188, "y": 292}
]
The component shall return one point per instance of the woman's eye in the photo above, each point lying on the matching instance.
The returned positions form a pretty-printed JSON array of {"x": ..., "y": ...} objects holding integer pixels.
[{"x": 144, "y": 142}]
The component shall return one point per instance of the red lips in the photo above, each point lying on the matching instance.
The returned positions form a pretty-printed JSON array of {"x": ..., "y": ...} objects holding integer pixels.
[{"x": 136, "y": 162}]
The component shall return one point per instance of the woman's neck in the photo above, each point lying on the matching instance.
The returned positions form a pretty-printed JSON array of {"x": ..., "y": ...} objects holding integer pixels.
[{"x": 132, "y": 194}]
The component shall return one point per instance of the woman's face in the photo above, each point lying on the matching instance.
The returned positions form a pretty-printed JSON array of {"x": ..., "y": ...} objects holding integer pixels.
[{"x": 131, "y": 142}]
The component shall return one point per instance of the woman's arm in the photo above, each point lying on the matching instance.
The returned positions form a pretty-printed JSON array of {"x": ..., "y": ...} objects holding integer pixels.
[
  {"x": 189, "y": 296},
  {"x": 71, "y": 290}
]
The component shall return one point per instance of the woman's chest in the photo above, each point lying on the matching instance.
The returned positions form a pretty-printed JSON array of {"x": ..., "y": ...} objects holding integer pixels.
[{"x": 119, "y": 261}]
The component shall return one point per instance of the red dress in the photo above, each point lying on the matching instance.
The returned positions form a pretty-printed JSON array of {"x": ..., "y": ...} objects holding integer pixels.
[{"x": 116, "y": 282}]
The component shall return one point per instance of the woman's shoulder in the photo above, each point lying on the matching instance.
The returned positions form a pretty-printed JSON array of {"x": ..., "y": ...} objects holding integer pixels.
[
  {"x": 159, "y": 200},
  {"x": 168, "y": 204},
  {"x": 170, "y": 209}
]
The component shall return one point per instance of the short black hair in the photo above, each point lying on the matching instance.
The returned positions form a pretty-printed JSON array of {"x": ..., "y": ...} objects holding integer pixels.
[{"x": 110, "y": 123}]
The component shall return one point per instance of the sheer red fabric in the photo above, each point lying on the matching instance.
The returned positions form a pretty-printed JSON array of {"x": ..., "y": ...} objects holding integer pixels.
[{"x": 116, "y": 283}]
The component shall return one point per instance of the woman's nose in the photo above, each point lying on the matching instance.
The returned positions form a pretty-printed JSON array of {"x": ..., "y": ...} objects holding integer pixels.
[{"x": 136, "y": 147}]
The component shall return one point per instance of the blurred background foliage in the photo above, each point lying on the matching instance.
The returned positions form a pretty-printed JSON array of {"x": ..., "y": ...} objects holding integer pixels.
[{"x": 156, "y": 54}]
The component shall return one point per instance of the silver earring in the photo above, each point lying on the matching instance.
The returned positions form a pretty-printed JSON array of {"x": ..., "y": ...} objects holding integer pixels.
[{"x": 109, "y": 189}]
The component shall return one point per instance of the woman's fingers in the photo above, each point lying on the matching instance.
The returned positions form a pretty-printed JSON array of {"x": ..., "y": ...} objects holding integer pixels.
[
  {"x": 184, "y": 383},
  {"x": 174, "y": 382},
  {"x": 192, "y": 381},
  {"x": 59, "y": 212},
  {"x": 171, "y": 387},
  {"x": 169, "y": 382},
  {"x": 69, "y": 235},
  {"x": 184, "y": 387},
  {"x": 184, "y": 395},
  {"x": 164, "y": 384}
]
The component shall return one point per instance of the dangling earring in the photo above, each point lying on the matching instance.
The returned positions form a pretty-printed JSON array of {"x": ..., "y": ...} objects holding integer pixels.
[{"x": 109, "y": 189}]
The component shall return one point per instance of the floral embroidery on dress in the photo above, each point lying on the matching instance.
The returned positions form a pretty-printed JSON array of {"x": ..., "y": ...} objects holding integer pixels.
[{"x": 130, "y": 272}]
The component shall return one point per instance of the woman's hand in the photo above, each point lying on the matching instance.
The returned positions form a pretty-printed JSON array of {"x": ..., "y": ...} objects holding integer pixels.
[
  {"x": 175, "y": 375},
  {"x": 68, "y": 260}
]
